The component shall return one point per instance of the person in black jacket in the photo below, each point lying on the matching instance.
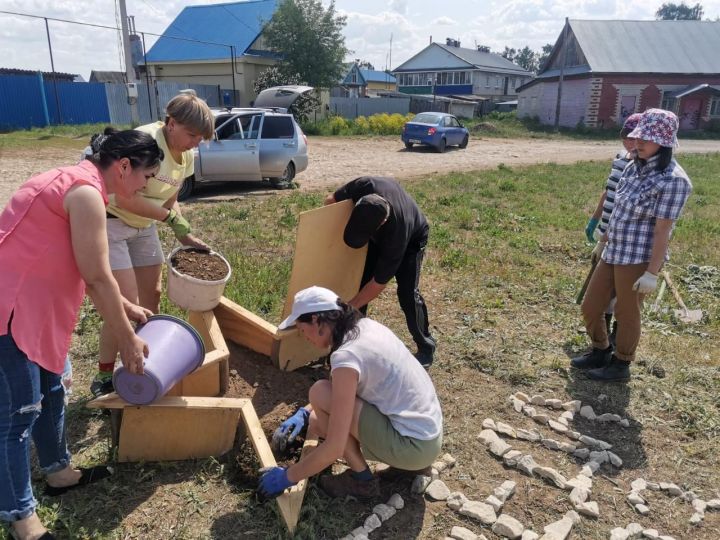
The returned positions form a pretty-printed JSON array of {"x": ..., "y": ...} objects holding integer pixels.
[{"x": 387, "y": 219}]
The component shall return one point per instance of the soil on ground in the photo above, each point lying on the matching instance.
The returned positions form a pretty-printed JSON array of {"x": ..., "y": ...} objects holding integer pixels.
[{"x": 199, "y": 264}]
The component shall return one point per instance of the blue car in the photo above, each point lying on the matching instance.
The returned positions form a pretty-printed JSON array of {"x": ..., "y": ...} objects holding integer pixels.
[{"x": 435, "y": 129}]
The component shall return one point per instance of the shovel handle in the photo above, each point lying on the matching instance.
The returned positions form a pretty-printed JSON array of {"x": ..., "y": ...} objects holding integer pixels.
[{"x": 674, "y": 291}]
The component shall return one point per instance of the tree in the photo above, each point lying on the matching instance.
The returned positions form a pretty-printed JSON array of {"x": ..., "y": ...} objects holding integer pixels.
[
  {"x": 509, "y": 53},
  {"x": 545, "y": 56},
  {"x": 679, "y": 12},
  {"x": 310, "y": 41},
  {"x": 272, "y": 76},
  {"x": 526, "y": 58}
]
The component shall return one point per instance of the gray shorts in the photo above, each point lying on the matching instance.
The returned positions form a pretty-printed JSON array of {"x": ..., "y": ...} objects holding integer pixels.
[
  {"x": 131, "y": 247},
  {"x": 380, "y": 441}
]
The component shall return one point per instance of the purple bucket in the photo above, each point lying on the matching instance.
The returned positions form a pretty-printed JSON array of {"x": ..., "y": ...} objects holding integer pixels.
[{"x": 176, "y": 350}]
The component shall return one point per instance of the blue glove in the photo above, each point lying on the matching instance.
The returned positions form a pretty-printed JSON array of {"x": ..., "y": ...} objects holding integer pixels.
[
  {"x": 296, "y": 423},
  {"x": 590, "y": 229},
  {"x": 273, "y": 482}
]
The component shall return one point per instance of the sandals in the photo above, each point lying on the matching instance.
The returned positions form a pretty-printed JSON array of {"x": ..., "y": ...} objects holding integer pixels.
[{"x": 87, "y": 476}]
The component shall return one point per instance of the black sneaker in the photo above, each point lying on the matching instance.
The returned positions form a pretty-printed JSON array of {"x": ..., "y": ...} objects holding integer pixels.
[
  {"x": 425, "y": 357},
  {"x": 101, "y": 387},
  {"x": 615, "y": 370},
  {"x": 596, "y": 358}
]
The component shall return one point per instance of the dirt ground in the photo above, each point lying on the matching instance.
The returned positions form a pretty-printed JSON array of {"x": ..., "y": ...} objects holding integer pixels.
[{"x": 334, "y": 160}]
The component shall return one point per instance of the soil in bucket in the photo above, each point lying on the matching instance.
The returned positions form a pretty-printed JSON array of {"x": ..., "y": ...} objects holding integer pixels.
[{"x": 199, "y": 264}]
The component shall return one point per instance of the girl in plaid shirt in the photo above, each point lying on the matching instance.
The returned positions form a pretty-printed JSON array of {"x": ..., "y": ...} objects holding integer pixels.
[{"x": 649, "y": 199}]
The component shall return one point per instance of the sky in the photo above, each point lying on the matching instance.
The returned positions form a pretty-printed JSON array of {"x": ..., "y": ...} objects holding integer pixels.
[{"x": 370, "y": 26}]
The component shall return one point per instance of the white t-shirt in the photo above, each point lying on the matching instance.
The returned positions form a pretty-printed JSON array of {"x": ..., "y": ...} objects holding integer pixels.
[{"x": 391, "y": 379}]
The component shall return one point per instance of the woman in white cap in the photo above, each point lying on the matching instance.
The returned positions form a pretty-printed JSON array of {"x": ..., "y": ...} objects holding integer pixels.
[
  {"x": 378, "y": 404},
  {"x": 649, "y": 199}
]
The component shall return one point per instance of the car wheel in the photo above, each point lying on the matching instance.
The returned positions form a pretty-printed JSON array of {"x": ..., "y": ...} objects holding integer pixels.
[
  {"x": 441, "y": 146},
  {"x": 464, "y": 142},
  {"x": 285, "y": 181},
  {"x": 186, "y": 188},
  {"x": 409, "y": 145}
]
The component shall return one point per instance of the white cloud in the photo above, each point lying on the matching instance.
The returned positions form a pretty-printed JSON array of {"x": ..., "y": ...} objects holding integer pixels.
[
  {"x": 444, "y": 21},
  {"x": 399, "y": 6}
]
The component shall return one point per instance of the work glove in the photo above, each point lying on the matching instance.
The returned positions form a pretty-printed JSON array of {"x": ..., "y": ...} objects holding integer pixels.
[
  {"x": 290, "y": 429},
  {"x": 590, "y": 229},
  {"x": 273, "y": 482},
  {"x": 597, "y": 252},
  {"x": 645, "y": 283},
  {"x": 178, "y": 224}
]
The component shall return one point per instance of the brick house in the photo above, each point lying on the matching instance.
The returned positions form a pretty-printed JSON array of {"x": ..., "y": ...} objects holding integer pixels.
[{"x": 615, "y": 68}]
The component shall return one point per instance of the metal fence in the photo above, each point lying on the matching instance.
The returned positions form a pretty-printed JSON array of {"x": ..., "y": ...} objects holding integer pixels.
[{"x": 354, "y": 107}]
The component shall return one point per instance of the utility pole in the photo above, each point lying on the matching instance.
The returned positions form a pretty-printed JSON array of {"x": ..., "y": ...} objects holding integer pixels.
[{"x": 129, "y": 70}]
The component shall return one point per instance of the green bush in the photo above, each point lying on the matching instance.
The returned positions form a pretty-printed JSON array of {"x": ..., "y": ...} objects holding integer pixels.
[{"x": 377, "y": 124}]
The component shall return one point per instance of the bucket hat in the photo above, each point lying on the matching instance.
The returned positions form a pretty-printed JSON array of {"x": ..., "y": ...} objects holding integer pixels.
[
  {"x": 658, "y": 126},
  {"x": 369, "y": 213},
  {"x": 311, "y": 300},
  {"x": 632, "y": 121}
]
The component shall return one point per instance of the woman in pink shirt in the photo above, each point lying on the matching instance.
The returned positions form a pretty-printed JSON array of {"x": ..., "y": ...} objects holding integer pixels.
[{"x": 53, "y": 249}]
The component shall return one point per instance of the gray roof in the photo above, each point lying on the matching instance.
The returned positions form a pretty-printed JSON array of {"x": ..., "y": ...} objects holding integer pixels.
[
  {"x": 480, "y": 59},
  {"x": 107, "y": 76},
  {"x": 650, "y": 46}
]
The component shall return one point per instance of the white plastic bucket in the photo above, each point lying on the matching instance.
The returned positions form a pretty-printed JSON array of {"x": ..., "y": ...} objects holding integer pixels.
[{"x": 191, "y": 293}]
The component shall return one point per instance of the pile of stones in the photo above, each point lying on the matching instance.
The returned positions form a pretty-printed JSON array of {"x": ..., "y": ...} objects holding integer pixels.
[
  {"x": 699, "y": 506},
  {"x": 380, "y": 514},
  {"x": 635, "y": 530}
]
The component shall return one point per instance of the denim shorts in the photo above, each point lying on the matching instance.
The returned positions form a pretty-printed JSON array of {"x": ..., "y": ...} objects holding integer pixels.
[
  {"x": 380, "y": 441},
  {"x": 131, "y": 247}
]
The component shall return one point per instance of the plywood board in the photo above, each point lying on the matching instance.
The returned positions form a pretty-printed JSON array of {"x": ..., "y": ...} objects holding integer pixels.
[
  {"x": 216, "y": 351},
  {"x": 292, "y": 351},
  {"x": 169, "y": 433},
  {"x": 322, "y": 257},
  {"x": 113, "y": 401},
  {"x": 244, "y": 327}
]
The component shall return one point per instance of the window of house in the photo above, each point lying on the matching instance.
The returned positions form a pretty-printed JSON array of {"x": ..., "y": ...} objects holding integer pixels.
[
  {"x": 668, "y": 102},
  {"x": 715, "y": 106},
  {"x": 487, "y": 81},
  {"x": 353, "y": 77},
  {"x": 497, "y": 82}
]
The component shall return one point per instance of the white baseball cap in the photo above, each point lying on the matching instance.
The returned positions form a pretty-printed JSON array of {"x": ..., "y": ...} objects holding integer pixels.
[{"x": 311, "y": 300}]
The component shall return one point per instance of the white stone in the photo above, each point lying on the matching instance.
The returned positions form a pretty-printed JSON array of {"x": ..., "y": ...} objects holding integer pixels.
[
  {"x": 553, "y": 403},
  {"x": 552, "y": 444},
  {"x": 361, "y": 536},
  {"x": 564, "y": 422},
  {"x": 573, "y": 405},
  {"x": 517, "y": 403},
  {"x": 522, "y": 396},
  {"x": 499, "y": 448},
  {"x": 615, "y": 459},
  {"x": 529, "y": 535},
  {"x": 625, "y": 422},
  {"x": 511, "y": 458},
  {"x": 548, "y": 473},
  {"x": 528, "y": 410},
  {"x": 619, "y": 533},
  {"x": 455, "y": 500},
  {"x": 528, "y": 435},
  {"x": 600, "y": 456},
  {"x": 713, "y": 504},
  {"x": 578, "y": 496},
  {"x": 505, "y": 490},
  {"x": 653, "y": 486},
  {"x": 666, "y": 537},
  {"x": 348, "y": 537},
  {"x": 587, "y": 440},
  {"x": 506, "y": 429},
  {"x": 651, "y": 533},
  {"x": 699, "y": 505},
  {"x": 541, "y": 418},
  {"x": 589, "y": 508},
  {"x": 575, "y": 435},
  {"x": 581, "y": 453},
  {"x": 557, "y": 530},
  {"x": 579, "y": 481},
  {"x": 496, "y": 503},
  {"x": 449, "y": 460},
  {"x": 567, "y": 447},
  {"x": 478, "y": 510},
  {"x": 634, "y": 530},
  {"x": 672, "y": 489},
  {"x": 557, "y": 426},
  {"x": 638, "y": 485},
  {"x": 527, "y": 465},
  {"x": 437, "y": 490},
  {"x": 384, "y": 511},
  {"x": 696, "y": 518},
  {"x": 586, "y": 411},
  {"x": 573, "y": 516},
  {"x": 689, "y": 496},
  {"x": 568, "y": 415},
  {"x": 439, "y": 466},
  {"x": 635, "y": 498},
  {"x": 642, "y": 509},
  {"x": 508, "y": 526},
  {"x": 537, "y": 400},
  {"x": 434, "y": 473},
  {"x": 396, "y": 501},
  {"x": 487, "y": 436},
  {"x": 372, "y": 522},
  {"x": 608, "y": 417},
  {"x": 461, "y": 533},
  {"x": 489, "y": 423},
  {"x": 359, "y": 531},
  {"x": 420, "y": 484}
]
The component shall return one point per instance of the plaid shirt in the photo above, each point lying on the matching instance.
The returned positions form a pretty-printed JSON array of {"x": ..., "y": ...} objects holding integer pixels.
[{"x": 644, "y": 195}]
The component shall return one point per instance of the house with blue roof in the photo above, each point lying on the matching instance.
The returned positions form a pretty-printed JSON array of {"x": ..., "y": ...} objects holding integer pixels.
[
  {"x": 217, "y": 44},
  {"x": 360, "y": 82}
]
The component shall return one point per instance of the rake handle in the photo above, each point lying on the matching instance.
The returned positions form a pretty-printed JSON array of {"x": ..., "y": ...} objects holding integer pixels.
[{"x": 674, "y": 291}]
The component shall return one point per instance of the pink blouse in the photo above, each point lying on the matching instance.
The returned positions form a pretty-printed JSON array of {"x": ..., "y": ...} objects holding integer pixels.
[{"x": 40, "y": 284}]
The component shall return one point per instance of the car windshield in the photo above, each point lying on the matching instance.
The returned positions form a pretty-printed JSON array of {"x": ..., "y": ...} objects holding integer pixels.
[{"x": 426, "y": 118}]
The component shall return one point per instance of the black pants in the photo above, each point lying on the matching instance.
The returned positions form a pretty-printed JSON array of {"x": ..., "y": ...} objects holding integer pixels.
[{"x": 411, "y": 301}]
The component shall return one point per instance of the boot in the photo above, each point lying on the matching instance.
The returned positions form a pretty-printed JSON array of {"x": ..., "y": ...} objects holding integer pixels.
[
  {"x": 596, "y": 358},
  {"x": 340, "y": 485},
  {"x": 615, "y": 370}
]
